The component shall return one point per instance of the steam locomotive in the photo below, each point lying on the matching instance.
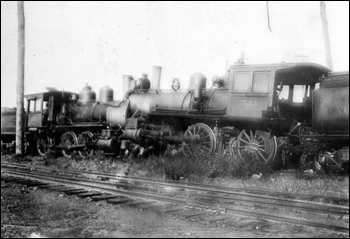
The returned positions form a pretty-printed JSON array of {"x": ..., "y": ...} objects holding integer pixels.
[{"x": 272, "y": 111}]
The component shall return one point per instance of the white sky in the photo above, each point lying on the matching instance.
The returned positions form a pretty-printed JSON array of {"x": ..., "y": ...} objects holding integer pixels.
[{"x": 69, "y": 44}]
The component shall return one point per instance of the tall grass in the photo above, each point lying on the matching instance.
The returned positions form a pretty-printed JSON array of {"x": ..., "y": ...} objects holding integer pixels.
[
  {"x": 198, "y": 168},
  {"x": 172, "y": 167},
  {"x": 225, "y": 171}
]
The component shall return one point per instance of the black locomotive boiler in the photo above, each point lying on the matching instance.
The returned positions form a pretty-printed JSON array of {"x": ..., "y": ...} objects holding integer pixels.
[{"x": 269, "y": 110}]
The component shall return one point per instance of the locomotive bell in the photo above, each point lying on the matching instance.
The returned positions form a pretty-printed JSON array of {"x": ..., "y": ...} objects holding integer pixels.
[
  {"x": 143, "y": 84},
  {"x": 87, "y": 95}
]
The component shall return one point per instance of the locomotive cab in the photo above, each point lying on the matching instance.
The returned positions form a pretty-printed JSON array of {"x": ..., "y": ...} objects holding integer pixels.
[
  {"x": 281, "y": 91},
  {"x": 35, "y": 110},
  {"x": 294, "y": 87},
  {"x": 42, "y": 108}
]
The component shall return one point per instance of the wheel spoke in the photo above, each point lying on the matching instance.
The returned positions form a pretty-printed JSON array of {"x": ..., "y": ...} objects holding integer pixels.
[
  {"x": 262, "y": 156},
  {"x": 199, "y": 131},
  {"x": 262, "y": 150},
  {"x": 252, "y": 137},
  {"x": 208, "y": 136},
  {"x": 242, "y": 140},
  {"x": 68, "y": 139},
  {"x": 246, "y": 135},
  {"x": 84, "y": 138},
  {"x": 260, "y": 140},
  {"x": 260, "y": 143}
]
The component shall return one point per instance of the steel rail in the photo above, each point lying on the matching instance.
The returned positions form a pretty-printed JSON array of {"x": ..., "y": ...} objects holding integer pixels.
[
  {"x": 109, "y": 188},
  {"x": 201, "y": 187},
  {"x": 253, "y": 198},
  {"x": 278, "y": 203}
]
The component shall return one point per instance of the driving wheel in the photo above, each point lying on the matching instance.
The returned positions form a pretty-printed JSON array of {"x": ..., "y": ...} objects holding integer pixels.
[
  {"x": 42, "y": 144},
  {"x": 260, "y": 143},
  {"x": 68, "y": 139},
  {"x": 84, "y": 138},
  {"x": 203, "y": 140}
]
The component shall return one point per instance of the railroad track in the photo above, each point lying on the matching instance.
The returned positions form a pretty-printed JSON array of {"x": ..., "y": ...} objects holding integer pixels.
[
  {"x": 138, "y": 191},
  {"x": 186, "y": 185}
]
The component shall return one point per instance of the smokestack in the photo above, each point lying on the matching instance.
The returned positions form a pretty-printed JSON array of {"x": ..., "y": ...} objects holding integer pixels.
[
  {"x": 157, "y": 71},
  {"x": 126, "y": 83}
]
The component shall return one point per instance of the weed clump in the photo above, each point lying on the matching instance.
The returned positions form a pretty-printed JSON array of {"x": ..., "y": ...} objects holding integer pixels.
[
  {"x": 198, "y": 168},
  {"x": 173, "y": 167},
  {"x": 177, "y": 167},
  {"x": 250, "y": 164}
]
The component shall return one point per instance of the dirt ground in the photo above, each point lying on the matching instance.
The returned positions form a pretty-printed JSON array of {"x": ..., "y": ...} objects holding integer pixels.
[{"x": 33, "y": 212}]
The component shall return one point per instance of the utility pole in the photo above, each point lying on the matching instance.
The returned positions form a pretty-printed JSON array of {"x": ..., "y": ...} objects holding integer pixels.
[
  {"x": 20, "y": 79},
  {"x": 326, "y": 35}
]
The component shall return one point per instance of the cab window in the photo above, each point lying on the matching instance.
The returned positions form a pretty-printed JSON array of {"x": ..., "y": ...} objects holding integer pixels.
[
  {"x": 298, "y": 93},
  {"x": 241, "y": 81},
  {"x": 38, "y": 104},
  {"x": 283, "y": 95},
  {"x": 35, "y": 105},
  {"x": 261, "y": 81},
  {"x": 31, "y": 106},
  {"x": 294, "y": 93}
]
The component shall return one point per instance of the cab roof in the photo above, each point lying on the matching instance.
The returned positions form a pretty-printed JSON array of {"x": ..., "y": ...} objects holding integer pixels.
[
  {"x": 303, "y": 73},
  {"x": 45, "y": 95}
]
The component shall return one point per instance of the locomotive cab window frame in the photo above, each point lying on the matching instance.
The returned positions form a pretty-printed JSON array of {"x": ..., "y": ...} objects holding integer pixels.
[
  {"x": 251, "y": 92},
  {"x": 35, "y": 105},
  {"x": 241, "y": 81},
  {"x": 31, "y": 106},
  {"x": 251, "y": 81},
  {"x": 295, "y": 93}
]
